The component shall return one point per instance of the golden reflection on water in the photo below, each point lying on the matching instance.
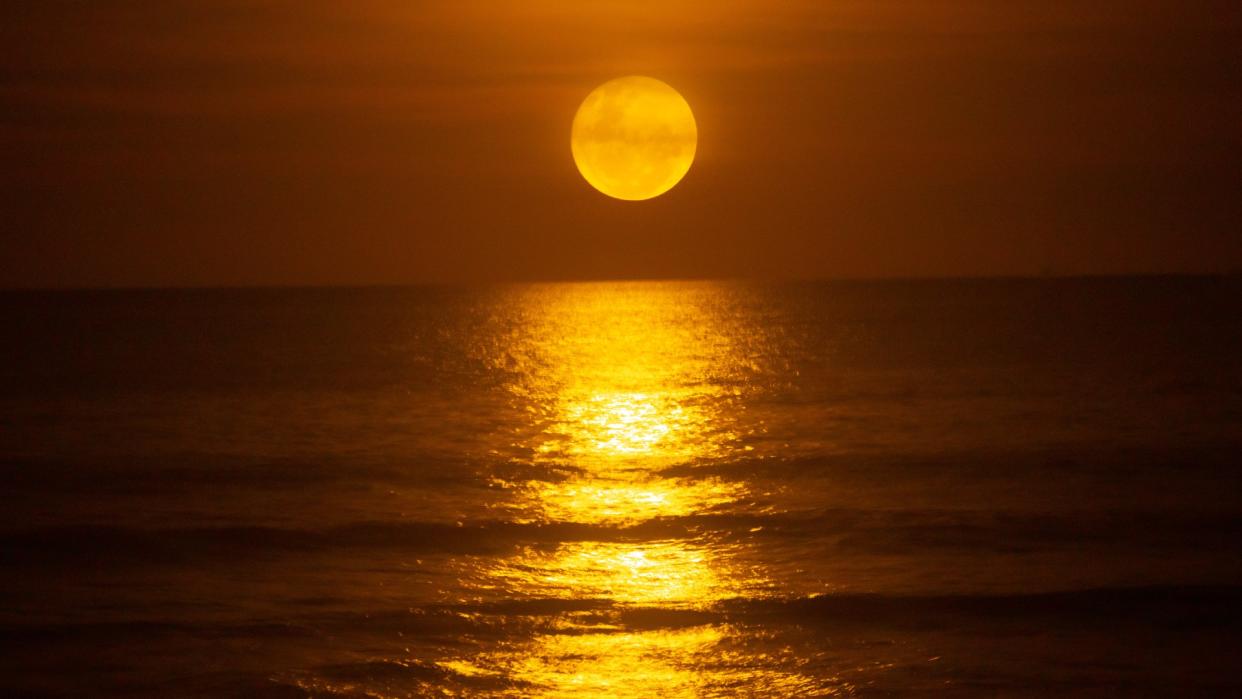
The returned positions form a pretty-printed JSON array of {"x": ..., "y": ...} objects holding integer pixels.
[
  {"x": 667, "y": 663},
  {"x": 669, "y": 574},
  {"x": 619, "y": 664},
  {"x": 606, "y": 428},
  {"x": 629, "y": 502},
  {"x": 617, "y": 443},
  {"x": 625, "y": 382}
]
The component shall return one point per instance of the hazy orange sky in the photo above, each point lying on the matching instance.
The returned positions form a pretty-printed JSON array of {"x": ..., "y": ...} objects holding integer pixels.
[{"x": 303, "y": 142}]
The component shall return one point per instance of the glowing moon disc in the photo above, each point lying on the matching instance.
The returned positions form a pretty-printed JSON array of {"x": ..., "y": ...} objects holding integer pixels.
[{"x": 634, "y": 138}]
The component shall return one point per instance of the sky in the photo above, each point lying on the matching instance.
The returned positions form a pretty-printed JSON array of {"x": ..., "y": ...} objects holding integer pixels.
[{"x": 266, "y": 142}]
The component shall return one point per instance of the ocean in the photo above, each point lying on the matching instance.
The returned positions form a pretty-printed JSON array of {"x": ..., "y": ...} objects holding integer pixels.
[{"x": 952, "y": 488}]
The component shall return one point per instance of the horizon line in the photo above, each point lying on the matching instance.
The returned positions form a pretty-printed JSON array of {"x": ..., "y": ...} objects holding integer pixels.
[{"x": 445, "y": 284}]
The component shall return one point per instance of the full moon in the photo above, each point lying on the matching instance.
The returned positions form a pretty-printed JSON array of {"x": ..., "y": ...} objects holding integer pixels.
[{"x": 634, "y": 138}]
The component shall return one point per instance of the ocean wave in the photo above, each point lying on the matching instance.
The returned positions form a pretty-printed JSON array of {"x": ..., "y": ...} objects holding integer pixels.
[
  {"x": 120, "y": 630},
  {"x": 1217, "y": 458},
  {"x": 148, "y": 475},
  {"x": 846, "y": 531},
  {"x": 1168, "y": 606}
]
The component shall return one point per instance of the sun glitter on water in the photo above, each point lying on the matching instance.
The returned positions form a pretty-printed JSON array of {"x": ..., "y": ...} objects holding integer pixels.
[{"x": 626, "y": 392}]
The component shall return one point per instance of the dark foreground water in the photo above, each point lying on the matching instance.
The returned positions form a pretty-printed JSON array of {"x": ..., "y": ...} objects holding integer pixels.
[{"x": 959, "y": 488}]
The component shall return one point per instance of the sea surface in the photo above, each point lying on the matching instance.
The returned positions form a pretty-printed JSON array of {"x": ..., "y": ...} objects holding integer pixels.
[{"x": 967, "y": 488}]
